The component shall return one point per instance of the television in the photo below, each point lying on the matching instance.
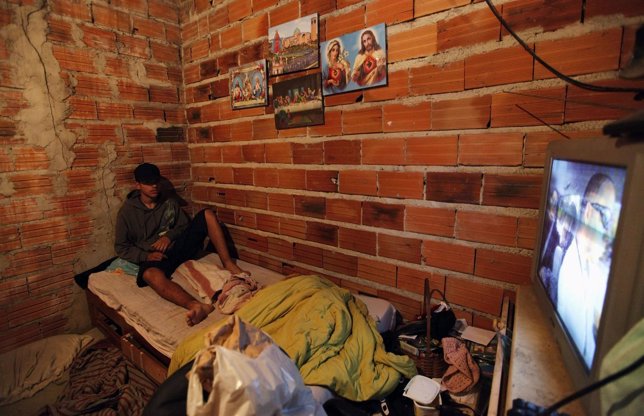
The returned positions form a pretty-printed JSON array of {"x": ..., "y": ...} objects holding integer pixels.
[{"x": 588, "y": 262}]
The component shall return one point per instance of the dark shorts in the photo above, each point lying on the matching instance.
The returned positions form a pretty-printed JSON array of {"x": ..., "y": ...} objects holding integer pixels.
[{"x": 184, "y": 248}]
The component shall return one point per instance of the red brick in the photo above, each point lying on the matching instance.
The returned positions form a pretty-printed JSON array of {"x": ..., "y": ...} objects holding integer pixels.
[
  {"x": 167, "y": 54},
  {"x": 345, "y": 23},
  {"x": 413, "y": 280},
  {"x": 383, "y": 151},
  {"x": 464, "y": 113},
  {"x": 594, "y": 52},
  {"x": 501, "y": 66},
  {"x": 357, "y": 240},
  {"x": 308, "y": 153},
  {"x": 397, "y": 87},
  {"x": 416, "y": 42},
  {"x": 596, "y": 8},
  {"x": 428, "y": 220},
  {"x": 291, "y": 178},
  {"x": 97, "y": 38},
  {"x": 527, "y": 233},
  {"x": 332, "y": 125},
  {"x": 281, "y": 203},
  {"x": 525, "y": 14},
  {"x": 340, "y": 263},
  {"x": 74, "y": 60},
  {"x": 454, "y": 187},
  {"x": 512, "y": 190},
  {"x": 528, "y": 108},
  {"x": 377, "y": 271},
  {"x": 25, "y": 184},
  {"x": 499, "y": 149},
  {"x": 585, "y": 105},
  {"x": 110, "y": 17},
  {"x": 389, "y": 11},
  {"x": 400, "y": 117},
  {"x": 474, "y": 295},
  {"x": 164, "y": 11},
  {"x": 390, "y": 216},
  {"x": 10, "y": 241},
  {"x": 254, "y": 28},
  {"x": 308, "y": 255},
  {"x": 322, "y": 233},
  {"x": 344, "y": 210},
  {"x": 435, "y": 79},
  {"x": 448, "y": 256},
  {"x": 506, "y": 267},
  {"x": 284, "y": 13},
  {"x": 322, "y": 180},
  {"x": 109, "y": 111},
  {"x": 30, "y": 158},
  {"x": 486, "y": 228},
  {"x": 343, "y": 152},
  {"x": 358, "y": 182},
  {"x": 431, "y": 151},
  {"x": 401, "y": 184},
  {"x": 399, "y": 248},
  {"x": 468, "y": 29},
  {"x": 364, "y": 120},
  {"x": 310, "y": 206}
]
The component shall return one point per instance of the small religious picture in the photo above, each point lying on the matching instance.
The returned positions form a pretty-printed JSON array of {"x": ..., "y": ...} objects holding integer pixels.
[
  {"x": 354, "y": 61},
  {"x": 298, "y": 102},
  {"x": 248, "y": 85},
  {"x": 293, "y": 46}
]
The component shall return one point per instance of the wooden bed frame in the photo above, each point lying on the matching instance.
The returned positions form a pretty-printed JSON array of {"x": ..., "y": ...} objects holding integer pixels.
[{"x": 135, "y": 348}]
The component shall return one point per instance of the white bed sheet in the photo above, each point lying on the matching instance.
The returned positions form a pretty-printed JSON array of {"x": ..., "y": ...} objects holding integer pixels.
[{"x": 160, "y": 322}]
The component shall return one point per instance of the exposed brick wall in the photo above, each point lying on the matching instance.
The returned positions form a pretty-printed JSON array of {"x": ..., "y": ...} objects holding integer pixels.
[
  {"x": 437, "y": 175},
  {"x": 83, "y": 87}
]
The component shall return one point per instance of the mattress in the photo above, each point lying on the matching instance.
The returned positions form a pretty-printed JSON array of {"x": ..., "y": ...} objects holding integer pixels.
[
  {"x": 163, "y": 324},
  {"x": 160, "y": 322}
]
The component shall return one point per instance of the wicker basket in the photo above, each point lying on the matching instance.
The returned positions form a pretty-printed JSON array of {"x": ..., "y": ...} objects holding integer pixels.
[{"x": 430, "y": 363}]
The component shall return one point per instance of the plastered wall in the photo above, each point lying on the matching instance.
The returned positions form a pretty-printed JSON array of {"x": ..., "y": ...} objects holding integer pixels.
[{"x": 436, "y": 175}]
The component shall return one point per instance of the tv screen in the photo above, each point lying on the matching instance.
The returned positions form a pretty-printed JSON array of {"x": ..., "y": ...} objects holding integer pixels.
[
  {"x": 587, "y": 271},
  {"x": 582, "y": 212}
]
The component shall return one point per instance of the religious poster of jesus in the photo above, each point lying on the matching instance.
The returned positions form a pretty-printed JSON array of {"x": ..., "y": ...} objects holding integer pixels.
[{"x": 354, "y": 61}]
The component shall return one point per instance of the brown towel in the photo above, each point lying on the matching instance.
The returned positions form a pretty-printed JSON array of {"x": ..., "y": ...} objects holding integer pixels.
[{"x": 463, "y": 373}]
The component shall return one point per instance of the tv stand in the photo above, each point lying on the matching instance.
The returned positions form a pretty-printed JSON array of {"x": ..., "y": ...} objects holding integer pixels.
[{"x": 537, "y": 372}]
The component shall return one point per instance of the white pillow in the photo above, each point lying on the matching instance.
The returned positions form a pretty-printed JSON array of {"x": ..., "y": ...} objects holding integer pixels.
[{"x": 28, "y": 369}]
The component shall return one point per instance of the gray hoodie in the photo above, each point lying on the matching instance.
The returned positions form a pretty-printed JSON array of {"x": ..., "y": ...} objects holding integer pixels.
[{"x": 138, "y": 227}]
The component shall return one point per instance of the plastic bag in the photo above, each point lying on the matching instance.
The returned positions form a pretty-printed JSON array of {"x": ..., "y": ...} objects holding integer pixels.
[{"x": 269, "y": 384}]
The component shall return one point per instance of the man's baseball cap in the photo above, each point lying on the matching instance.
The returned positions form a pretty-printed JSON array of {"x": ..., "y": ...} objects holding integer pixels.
[{"x": 147, "y": 173}]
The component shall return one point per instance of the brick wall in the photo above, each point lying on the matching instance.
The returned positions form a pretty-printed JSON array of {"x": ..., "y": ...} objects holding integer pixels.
[
  {"x": 436, "y": 175},
  {"x": 83, "y": 87}
]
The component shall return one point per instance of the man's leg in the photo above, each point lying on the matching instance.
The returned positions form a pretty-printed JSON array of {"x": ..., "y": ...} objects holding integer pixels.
[
  {"x": 171, "y": 291},
  {"x": 217, "y": 238}
]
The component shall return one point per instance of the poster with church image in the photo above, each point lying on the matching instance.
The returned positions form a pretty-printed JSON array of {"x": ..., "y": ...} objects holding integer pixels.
[
  {"x": 248, "y": 85},
  {"x": 293, "y": 46},
  {"x": 298, "y": 102},
  {"x": 354, "y": 61}
]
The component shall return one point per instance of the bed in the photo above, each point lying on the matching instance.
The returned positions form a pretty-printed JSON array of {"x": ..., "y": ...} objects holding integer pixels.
[{"x": 151, "y": 330}]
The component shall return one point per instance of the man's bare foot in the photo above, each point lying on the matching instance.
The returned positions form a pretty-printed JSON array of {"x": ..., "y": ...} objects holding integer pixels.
[{"x": 197, "y": 312}]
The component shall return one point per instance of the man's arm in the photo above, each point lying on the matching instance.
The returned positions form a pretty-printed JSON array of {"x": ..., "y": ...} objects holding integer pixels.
[{"x": 125, "y": 248}]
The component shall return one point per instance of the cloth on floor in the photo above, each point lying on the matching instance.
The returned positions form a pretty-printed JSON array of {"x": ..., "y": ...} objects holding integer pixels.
[{"x": 102, "y": 382}]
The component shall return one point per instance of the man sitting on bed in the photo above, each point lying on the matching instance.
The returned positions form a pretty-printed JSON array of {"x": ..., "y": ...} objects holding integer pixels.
[{"x": 154, "y": 232}]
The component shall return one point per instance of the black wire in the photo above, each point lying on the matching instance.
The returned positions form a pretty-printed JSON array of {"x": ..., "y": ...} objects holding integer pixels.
[
  {"x": 549, "y": 67},
  {"x": 594, "y": 386}
]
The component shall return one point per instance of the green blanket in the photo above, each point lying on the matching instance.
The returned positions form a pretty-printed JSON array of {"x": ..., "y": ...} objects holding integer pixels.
[{"x": 326, "y": 331}]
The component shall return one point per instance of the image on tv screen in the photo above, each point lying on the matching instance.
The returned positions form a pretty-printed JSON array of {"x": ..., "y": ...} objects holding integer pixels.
[{"x": 581, "y": 216}]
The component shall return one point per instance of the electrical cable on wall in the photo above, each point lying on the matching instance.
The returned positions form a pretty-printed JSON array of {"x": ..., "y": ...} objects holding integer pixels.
[{"x": 550, "y": 68}]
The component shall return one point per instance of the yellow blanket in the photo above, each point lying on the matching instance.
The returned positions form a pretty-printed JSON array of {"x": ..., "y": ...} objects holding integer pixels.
[{"x": 327, "y": 333}]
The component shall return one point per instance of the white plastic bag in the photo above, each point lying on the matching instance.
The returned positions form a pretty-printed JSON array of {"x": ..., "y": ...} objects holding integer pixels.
[{"x": 269, "y": 384}]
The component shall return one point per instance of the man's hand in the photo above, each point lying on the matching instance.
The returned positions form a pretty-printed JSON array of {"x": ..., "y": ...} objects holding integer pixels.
[
  {"x": 155, "y": 256},
  {"x": 161, "y": 244}
]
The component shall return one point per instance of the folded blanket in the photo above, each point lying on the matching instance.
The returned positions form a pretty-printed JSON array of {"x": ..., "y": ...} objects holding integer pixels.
[{"x": 326, "y": 331}]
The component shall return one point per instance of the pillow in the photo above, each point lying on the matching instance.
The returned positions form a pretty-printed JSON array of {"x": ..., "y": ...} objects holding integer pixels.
[
  {"x": 123, "y": 266},
  {"x": 28, "y": 369}
]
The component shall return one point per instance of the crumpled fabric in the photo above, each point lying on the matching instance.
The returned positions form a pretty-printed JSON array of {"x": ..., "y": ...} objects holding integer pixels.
[
  {"x": 463, "y": 372},
  {"x": 235, "y": 292}
]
